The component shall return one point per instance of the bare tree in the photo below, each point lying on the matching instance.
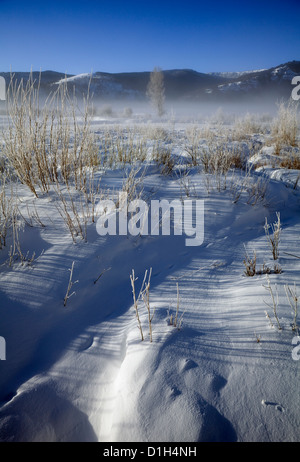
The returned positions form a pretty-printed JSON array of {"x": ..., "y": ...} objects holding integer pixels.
[{"x": 156, "y": 90}]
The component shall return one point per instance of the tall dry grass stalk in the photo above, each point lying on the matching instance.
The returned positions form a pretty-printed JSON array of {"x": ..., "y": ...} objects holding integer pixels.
[
  {"x": 10, "y": 222},
  {"x": 293, "y": 302},
  {"x": 146, "y": 298},
  {"x": 7, "y": 211},
  {"x": 274, "y": 238},
  {"x": 275, "y": 301},
  {"x": 133, "y": 279},
  {"x": 71, "y": 283},
  {"x": 176, "y": 321},
  {"x": 144, "y": 294}
]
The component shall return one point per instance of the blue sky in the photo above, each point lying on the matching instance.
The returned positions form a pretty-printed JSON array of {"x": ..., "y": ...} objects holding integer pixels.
[{"x": 124, "y": 36}]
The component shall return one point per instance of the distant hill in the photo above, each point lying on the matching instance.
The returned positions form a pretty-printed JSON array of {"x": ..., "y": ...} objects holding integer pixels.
[{"x": 180, "y": 84}]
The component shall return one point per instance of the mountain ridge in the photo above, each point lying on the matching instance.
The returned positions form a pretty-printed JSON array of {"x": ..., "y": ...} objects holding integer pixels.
[{"x": 180, "y": 84}]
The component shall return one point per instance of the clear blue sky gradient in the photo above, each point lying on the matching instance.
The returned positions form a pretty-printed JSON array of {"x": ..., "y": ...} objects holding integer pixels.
[{"x": 126, "y": 36}]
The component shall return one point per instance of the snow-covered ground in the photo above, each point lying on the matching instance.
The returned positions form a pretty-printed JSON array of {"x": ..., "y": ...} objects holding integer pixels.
[{"x": 81, "y": 372}]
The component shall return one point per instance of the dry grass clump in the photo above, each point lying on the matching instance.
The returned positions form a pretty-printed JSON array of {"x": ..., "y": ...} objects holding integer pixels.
[
  {"x": 256, "y": 189},
  {"x": 245, "y": 126},
  {"x": 210, "y": 149},
  {"x": 133, "y": 182},
  {"x": 273, "y": 239},
  {"x": 218, "y": 160},
  {"x": 285, "y": 126},
  {"x": 220, "y": 164},
  {"x": 119, "y": 147},
  {"x": 192, "y": 147},
  {"x": 195, "y": 136},
  {"x": 156, "y": 133},
  {"x": 162, "y": 155},
  {"x": 11, "y": 224},
  {"x": 50, "y": 142},
  {"x": 251, "y": 268},
  {"x": 291, "y": 161}
]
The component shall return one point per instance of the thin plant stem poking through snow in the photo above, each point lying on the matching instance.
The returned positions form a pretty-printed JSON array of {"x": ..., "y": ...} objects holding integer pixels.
[
  {"x": 293, "y": 301},
  {"x": 292, "y": 255},
  {"x": 144, "y": 294},
  {"x": 275, "y": 237},
  {"x": 133, "y": 279},
  {"x": 146, "y": 298},
  {"x": 101, "y": 274},
  {"x": 176, "y": 321},
  {"x": 177, "y": 306},
  {"x": 274, "y": 298},
  {"x": 250, "y": 265},
  {"x": 70, "y": 285}
]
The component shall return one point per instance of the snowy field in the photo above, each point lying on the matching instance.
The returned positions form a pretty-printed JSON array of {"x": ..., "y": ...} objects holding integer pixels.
[{"x": 223, "y": 361}]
